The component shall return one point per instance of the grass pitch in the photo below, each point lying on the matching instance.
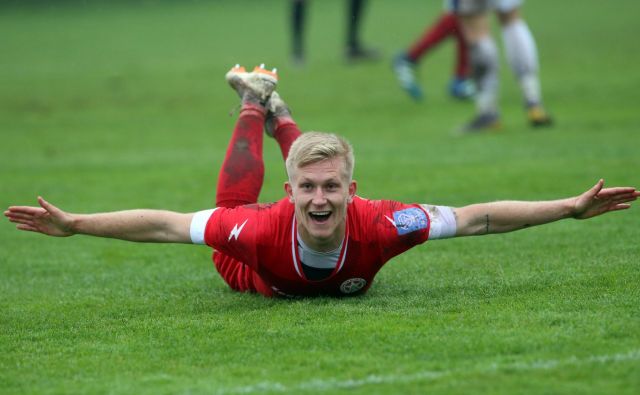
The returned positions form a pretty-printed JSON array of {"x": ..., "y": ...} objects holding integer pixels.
[{"x": 113, "y": 106}]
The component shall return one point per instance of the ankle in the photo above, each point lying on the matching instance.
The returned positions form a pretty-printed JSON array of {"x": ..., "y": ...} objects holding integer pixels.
[
  {"x": 252, "y": 106},
  {"x": 281, "y": 121}
]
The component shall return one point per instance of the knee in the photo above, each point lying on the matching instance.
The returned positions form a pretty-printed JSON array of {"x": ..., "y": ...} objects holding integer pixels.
[
  {"x": 241, "y": 145},
  {"x": 484, "y": 53},
  {"x": 474, "y": 27},
  {"x": 508, "y": 17}
]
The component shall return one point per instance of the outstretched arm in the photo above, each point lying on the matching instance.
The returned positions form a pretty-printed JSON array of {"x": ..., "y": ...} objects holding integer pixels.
[
  {"x": 507, "y": 216},
  {"x": 157, "y": 226}
]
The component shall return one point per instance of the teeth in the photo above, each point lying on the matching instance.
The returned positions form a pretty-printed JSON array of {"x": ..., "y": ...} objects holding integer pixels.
[
  {"x": 320, "y": 213},
  {"x": 274, "y": 70},
  {"x": 237, "y": 66},
  {"x": 262, "y": 65}
]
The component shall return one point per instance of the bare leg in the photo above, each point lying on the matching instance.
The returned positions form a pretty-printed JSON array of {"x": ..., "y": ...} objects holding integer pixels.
[
  {"x": 484, "y": 68},
  {"x": 522, "y": 55}
]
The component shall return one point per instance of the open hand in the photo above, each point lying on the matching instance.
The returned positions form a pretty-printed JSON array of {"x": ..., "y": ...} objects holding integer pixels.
[
  {"x": 598, "y": 201},
  {"x": 47, "y": 219}
]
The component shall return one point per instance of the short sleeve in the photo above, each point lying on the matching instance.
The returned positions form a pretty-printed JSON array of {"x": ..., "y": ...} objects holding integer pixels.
[
  {"x": 393, "y": 226},
  {"x": 409, "y": 227},
  {"x": 199, "y": 224},
  {"x": 233, "y": 232}
]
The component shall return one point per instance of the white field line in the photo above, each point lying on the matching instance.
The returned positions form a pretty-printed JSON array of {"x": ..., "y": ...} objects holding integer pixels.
[{"x": 426, "y": 375}]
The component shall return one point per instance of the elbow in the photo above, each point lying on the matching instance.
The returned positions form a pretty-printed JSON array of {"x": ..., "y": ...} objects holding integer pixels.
[
  {"x": 473, "y": 222},
  {"x": 469, "y": 223},
  {"x": 471, "y": 230}
]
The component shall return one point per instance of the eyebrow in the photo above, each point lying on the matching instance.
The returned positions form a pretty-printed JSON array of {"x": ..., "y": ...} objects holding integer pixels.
[{"x": 307, "y": 179}]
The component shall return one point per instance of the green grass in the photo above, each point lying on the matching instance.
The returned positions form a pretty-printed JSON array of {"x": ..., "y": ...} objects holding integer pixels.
[{"x": 113, "y": 106}]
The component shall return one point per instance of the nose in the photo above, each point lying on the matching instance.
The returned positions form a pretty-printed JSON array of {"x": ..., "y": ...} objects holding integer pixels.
[{"x": 318, "y": 197}]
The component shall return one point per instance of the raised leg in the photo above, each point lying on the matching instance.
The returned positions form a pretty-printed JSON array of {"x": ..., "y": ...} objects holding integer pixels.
[{"x": 242, "y": 172}]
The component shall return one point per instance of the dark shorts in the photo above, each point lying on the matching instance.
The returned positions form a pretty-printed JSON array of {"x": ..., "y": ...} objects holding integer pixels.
[{"x": 470, "y": 7}]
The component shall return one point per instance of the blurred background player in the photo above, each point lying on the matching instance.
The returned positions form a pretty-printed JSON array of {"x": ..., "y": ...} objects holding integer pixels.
[
  {"x": 405, "y": 63},
  {"x": 354, "y": 50},
  {"x": 472, "y": 30},
  {"x": 522, "y": 55}
]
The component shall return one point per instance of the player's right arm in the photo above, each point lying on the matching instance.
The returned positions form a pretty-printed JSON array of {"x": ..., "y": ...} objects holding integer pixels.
[{"x": 144, "y": 225}]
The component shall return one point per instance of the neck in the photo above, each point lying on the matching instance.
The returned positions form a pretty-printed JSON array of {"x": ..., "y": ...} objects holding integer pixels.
[{"x": 322, "y": 244}]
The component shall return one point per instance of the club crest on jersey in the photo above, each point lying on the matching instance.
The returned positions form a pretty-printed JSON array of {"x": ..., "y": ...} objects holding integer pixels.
[
  {"x": 352, "y": 285},
  {"x": 409, "y": 220}
]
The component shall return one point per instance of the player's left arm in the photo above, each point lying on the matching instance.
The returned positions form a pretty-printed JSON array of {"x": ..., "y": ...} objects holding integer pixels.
[{"x": 507, "y": 216}]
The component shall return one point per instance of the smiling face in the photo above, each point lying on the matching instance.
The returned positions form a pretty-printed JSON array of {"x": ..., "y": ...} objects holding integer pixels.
[{"x": 321, "y": 192}]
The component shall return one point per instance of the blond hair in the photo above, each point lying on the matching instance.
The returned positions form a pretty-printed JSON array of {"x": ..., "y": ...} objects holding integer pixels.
[{"x": 313, "y": 147}]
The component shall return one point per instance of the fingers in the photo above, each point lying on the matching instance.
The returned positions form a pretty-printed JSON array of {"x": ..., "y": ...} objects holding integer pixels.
[
  {"x": 51, "y": 209},
  {"x": 28, "y": 210},
  {"x": 13, "y": 217},
  {"x": 626, "y": 200},
  {"x": 28, "y": 228},
  {"x": 622, "y": 198},
  {"x": 25, "y": 217},
  {"x": 598, "y": 187},
  {"x": 45, "y": 205},
  {"x": 25, "y": 222},
  {"x": 617, "y": 190},
  {"x": 620, "y": 207},
  {"x": 22, "y": 221},
  {"x": 33, "y": 211}
]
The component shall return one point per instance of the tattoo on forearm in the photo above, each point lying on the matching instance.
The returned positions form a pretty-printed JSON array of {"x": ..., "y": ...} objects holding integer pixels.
[{"x": 487, "y": 224}]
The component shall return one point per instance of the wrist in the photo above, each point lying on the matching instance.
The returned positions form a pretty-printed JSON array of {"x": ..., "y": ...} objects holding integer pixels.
[
  {"x": 74, "y": 224},
  {"x": 570, "y": 208}
]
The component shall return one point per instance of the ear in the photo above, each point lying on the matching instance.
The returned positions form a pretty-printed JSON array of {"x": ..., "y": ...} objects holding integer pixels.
[
  {"x": 289, "y": 191},
  {"x": 353, "y": 186}
]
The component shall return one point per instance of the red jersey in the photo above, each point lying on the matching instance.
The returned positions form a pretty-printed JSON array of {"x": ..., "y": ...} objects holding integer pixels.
[{"x": 264, "y": 237}]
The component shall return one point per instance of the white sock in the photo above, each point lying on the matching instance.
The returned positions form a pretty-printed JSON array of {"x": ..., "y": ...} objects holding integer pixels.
[
  {"x": 484, "y": 68},
  {"x": 522, "y": 55}
]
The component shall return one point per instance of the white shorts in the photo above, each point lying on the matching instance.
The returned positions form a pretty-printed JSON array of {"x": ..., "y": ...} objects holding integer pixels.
[
  {"x": 506, "y": 5},
  {"x": 471, "y": 7}
]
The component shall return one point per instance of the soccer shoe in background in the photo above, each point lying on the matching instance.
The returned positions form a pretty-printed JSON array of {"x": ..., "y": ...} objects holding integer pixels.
[
  {"x": 538, "y": 117},
  {"x": 483, "y": 123},
  {"x": 255, "y": 86},
  {"x": 361, "y": 54},
  {"x": 405, "y": 72},
  {"x": 462, "y": 88}
]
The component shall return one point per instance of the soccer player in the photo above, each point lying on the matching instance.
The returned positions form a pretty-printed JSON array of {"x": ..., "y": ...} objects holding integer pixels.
[
  {"x": 521, "y": 53},
  {"x": 405, "y": 63},
  {"x": 322, "y": 238},
  {"x": 354, "y": 50},
  {"x": 520, "y": 48}
]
